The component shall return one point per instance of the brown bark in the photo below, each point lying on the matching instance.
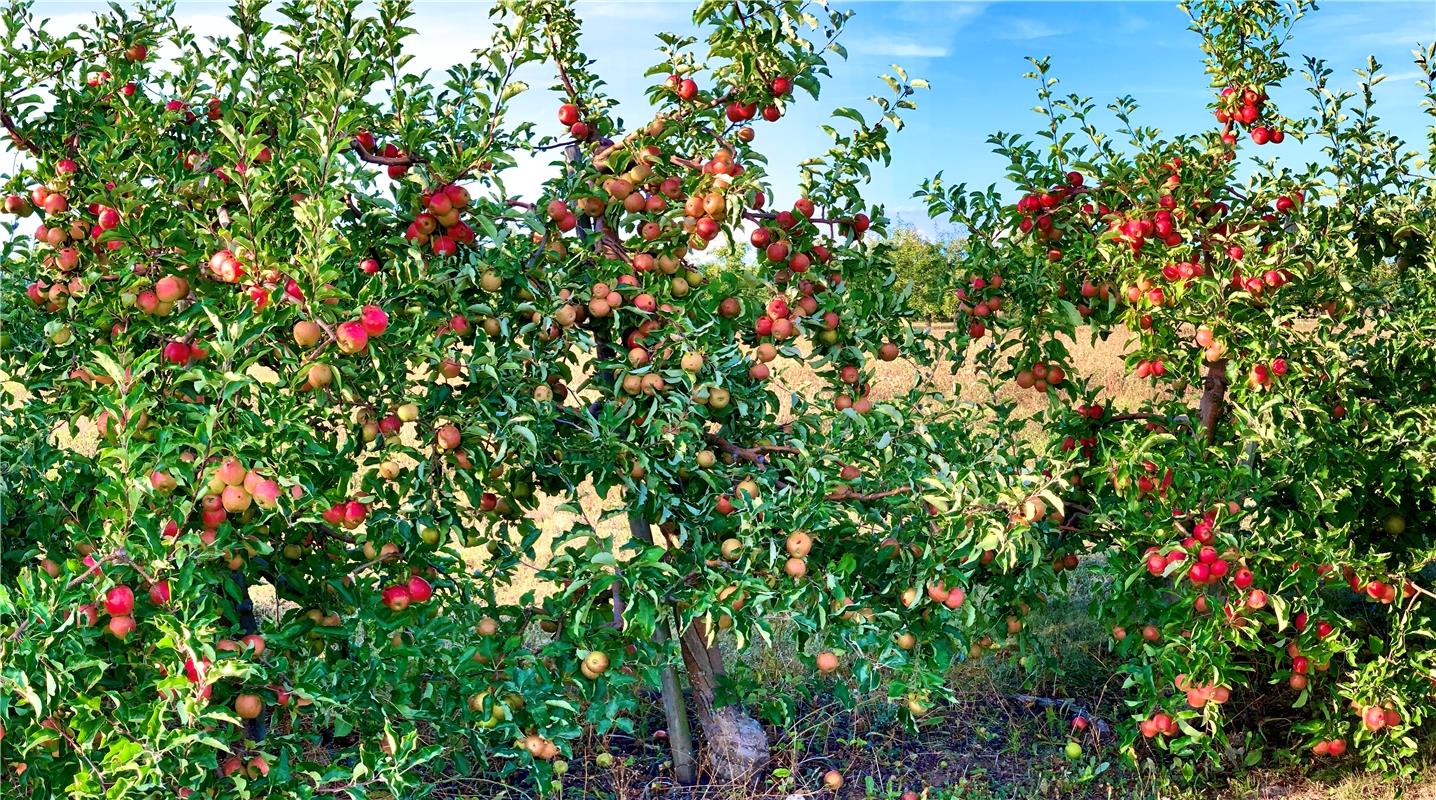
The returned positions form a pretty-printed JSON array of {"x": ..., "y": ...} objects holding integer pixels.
[
  {"x": 1214, "y": 394},
  {"x": 20, "y": 140}
]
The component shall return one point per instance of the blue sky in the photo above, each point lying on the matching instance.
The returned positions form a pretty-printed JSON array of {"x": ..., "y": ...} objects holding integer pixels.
[{"x": 973, "y": 55}]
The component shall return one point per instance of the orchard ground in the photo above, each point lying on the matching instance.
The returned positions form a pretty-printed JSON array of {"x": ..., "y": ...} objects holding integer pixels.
[{"x": 989, "y": 744}]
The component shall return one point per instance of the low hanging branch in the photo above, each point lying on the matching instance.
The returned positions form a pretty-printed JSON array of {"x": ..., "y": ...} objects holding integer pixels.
[
  {"x": 757, "y": 454},
  {"x": 1032, "y": 703},
  {"x": 557, "y": 145},
  {"x": 1150, "y": 419}
]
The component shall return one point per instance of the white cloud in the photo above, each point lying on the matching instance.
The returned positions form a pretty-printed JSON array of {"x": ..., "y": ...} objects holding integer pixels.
[
  {"x": 939, "y": 24},
  {"x": 895, "y": 47},
  {"x": 1024, "y": 29},
  {"x": 949, "y": 16},
  {"x": 1408, "y": 75},
  {"x": 1131, "y": 23}
]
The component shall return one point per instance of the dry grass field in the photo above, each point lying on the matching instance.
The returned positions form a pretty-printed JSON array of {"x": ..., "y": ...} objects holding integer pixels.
[{"x": 1103, "y": 360}]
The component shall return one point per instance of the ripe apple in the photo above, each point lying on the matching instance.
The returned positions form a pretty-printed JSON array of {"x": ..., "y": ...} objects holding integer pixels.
[
  {"x": 119, "y": 600},
  {"x": 827, "y": 663},
  {"x": 266, "y": 493},
  {"x": 955, "y": 598},
  {"x": 396, "y": 597},
  {"x": 374, "y": 320},
  {"x": 254, "y": 642},
  {"x": 121, "y": 626},
  {"x": 177, "y": 352},
  {"x": 595, "y": 663},
  {"x": 248, "y": 706},
  {"x": 15, "y": 204},
  {"x": 169, "y": 289},
  {"x": 351, "y": 337},
  {"x": 162, "y": 482},
  {"x": 1374, "y": 717},
  {"x": 319, "y": 375},
  {"x": 160, "y": 593},
  {"x": 235, "y": 499},
  {"x": 419, "y": 589}
]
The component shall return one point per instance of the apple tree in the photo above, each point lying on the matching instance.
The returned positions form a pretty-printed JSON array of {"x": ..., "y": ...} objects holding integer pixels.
[
  {"x": 298, "y": 383},
  {"x": 1259, "y": 520}
]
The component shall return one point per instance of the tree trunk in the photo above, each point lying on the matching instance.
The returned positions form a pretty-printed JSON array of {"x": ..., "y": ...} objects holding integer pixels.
[
  {"x": 1213, "y": 403},
  {"x": 737, "y": 746},
  {"x": 680, "y": 738}
]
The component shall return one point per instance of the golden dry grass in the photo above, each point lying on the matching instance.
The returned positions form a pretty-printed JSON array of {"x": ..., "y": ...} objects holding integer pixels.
[{"x": 1100, "y": 360}]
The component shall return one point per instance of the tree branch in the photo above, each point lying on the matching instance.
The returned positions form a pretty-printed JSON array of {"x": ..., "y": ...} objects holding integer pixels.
[
  {"x": 392, "y": 161},
  {"x": 556, "y": 145},
  {"x": 759, "y": 216},
  {"x": 848, "y": 494},
  {"x": 752, "y": 454},
  {"x": 19, "y": 138},
  {"x": 558, "y": 62}
]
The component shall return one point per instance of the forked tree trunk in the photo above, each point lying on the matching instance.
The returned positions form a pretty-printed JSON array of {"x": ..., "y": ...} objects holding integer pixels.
[{"x": 736, "y": 744}]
